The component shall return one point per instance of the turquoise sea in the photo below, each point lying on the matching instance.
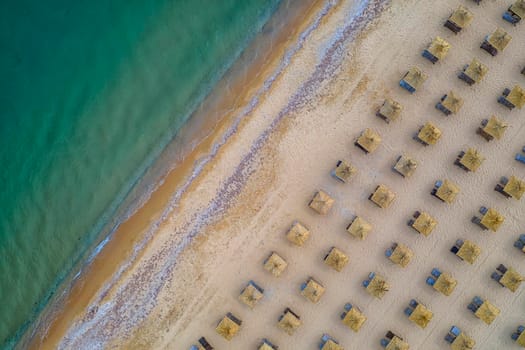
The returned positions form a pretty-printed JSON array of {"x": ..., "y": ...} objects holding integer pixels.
[{"x": 90, "y": 94}]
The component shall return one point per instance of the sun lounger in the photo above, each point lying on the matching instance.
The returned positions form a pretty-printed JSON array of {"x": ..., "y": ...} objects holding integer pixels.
[
  {"x": 515, "y": 13},
  {"x": 520, "y": 158}
]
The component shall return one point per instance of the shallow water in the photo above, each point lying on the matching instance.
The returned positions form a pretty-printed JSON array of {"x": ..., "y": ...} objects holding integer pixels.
[{"x": 91, "y": 92}]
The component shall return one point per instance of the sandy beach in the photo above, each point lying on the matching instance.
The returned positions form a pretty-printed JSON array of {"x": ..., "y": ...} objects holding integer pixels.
[{"x": 193, "y": 251}]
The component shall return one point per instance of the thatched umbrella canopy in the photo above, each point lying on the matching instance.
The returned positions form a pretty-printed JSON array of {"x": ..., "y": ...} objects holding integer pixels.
[
  {"x": 383, "y": 196},
  {"x": 492, "y": 220},
  {"x": 415, "y": 77},
  {"x": 472, "y": 159},
  {"x": 445, "y": 283},
  {"x": 448, "y": 191},
  {"x": 476, "y": 70},
  {"x": 439, "y": 47},
  {"x": 336, "y": 259},
  {"x": 298, "y": 234},
  {"x": 453, "y": 102},
  {"x": 369, "y": 140},
  {"x": 406, "y": 166},
  {"x": 354, "y": 319},
  {"x": 359, "y": 228},
  {"x": 397, "y": 344},
  {"x": 511, "y": 279},
  {"x": 461, "y": 17},
  {"x": 421, "y": 316},
  {"x": 469, "y": 251},
  {"x": 424, "y": 224},
  {"x": 331, "y": 345},
  {"x": 487, "y": 312},
  {"x": 228, "y": 327},
  {"x": 251, "y": 295},
  {"x": 321, "y": 202},
  {"x": 289, "y": 322},
  {"x": 402, "y": 255},
  {"x": 390, "y": 109},
  {"x": 378, "y": 286},
  {"x": 429, "y": 133},
  {"x": 495, "y": 127},
  {"x": 275, "y": 264},
  {"x": 344, "y": 171},
  {"x": 266, "y": 346},
  {"x": 518, "y": 8},
  {"x": 463, "y": 342},
  {"x": 499, "y": 39},
  {"x": 515, "y": 187},
  {"x": 517, "y": 96},
  {"x": 313, "y": 291}
]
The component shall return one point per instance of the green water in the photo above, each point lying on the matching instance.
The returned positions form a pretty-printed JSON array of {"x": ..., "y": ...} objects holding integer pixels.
[{"x": 90, "y": 93}]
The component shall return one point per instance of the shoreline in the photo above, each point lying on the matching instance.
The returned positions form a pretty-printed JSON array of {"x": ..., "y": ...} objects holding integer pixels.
[{"x": 204, "y": 134}]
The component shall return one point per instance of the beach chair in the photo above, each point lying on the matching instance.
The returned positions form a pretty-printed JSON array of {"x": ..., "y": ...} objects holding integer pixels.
[
  {"x": 496, "y": 42},
  {"x": 520, "y": 243},
  {"x": 515, "y": 13},
  {"x": 430, "y": 281},
  {"x": 513, "y": 98},
  {"x": 520, "y": 158},
  {"x": 523, "y": 71},
  {"x": 203, "y": 345},
  {"x": 435, "y": 272}
]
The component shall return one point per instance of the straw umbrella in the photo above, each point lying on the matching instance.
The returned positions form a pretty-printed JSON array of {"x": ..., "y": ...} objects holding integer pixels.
[
  {"x": 469, "y": 251},
  {"x": 369, "y": 140},
  {"x": 289, "y": 322},
  {"x": 499, "y": 39},
  {"x": 354, "y": 319},
  {"x": 421, "y": 316},
  {"x": 336, "y": 259},
  {"x": 321, "y": 202},
  {"x": 275, "y": 264},
  {"x": 495, "y": 127},
  {"x": 359, "y": 228},
  {"x": 517, "y": 96},
  {"x": 462, "y": 17},
  {"x": 439, "y": 47},
  {"x": 492, "y": 220},
  {"x": 390, "y": 110},
  {"x": 298, "y": 234},
  {"x": 415, "y": 77},
  {"x": 331, "y": 345},
  {"x": 251, "y": 295},
  {"x": 382, "y": 196},
  {"x": 402, "y": 255},
  {"x": 344, "y": 171},
  {"x": 378, "y": 287},
  {"x": 511, "y": 279},
  {"x": 515, "y": 187},
  {"x": 462, "y": 342},
  {"x": 228, "y": 327},
  {"x": 472, "y": 159},
  {"x": 487, "y": 312},
  {"x": 518, "y": 8},
  {"x": 476, "y": 70},
  {"x": 429, "y": 133},
  {"x": 445, "y": 284}
]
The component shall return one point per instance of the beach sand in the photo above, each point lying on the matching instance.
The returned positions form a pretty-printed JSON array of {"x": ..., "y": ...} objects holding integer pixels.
[{"x": 213, "y": 239}]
